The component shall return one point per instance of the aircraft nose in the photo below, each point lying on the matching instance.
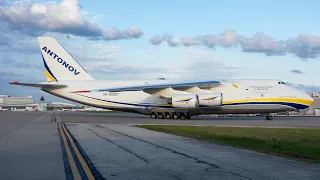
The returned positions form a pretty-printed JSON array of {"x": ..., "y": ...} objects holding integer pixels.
[{"x": 309, "y": 100}]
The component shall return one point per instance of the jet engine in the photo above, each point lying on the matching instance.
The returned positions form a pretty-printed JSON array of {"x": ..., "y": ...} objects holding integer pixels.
[
  {"x": 185, "y": 100},
  {"x": 210, "y": 99}
]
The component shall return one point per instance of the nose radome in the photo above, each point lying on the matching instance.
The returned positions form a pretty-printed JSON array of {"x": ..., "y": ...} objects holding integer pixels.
[{"x": 308, "y": 98}]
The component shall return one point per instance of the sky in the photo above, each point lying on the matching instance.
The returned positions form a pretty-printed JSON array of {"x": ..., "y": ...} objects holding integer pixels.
[{"x": 177, "y": 40}]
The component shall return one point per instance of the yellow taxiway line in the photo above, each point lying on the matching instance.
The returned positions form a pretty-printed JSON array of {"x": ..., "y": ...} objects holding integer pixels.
[
  {"x": 83, "y": 163},
  {"x": 74, "y": 169}
]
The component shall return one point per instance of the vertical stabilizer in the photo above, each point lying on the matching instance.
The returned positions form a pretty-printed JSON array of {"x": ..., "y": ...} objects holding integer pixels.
[{"x": 58, "y": 63}]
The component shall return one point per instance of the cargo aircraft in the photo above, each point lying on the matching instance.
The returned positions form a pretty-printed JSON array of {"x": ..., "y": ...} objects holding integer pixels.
[{"x": 67, "y": 79}]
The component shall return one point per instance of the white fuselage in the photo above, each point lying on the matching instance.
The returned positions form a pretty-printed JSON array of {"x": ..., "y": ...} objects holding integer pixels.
[{"x": 239, "y": 96}]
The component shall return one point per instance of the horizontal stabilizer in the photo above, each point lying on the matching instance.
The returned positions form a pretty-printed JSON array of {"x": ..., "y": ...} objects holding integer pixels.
[{"x": 40, "y": 85}]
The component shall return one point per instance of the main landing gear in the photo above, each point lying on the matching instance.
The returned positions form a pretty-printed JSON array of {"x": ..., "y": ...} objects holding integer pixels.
[
  {"x": 168, "y": 115},
  {"x": 269, "y": 117}
]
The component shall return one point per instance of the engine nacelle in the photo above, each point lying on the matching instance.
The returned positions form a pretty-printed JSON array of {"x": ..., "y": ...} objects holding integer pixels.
[
  {"x": 210, "y": 99},
  {"x": 185, "y": 100}
]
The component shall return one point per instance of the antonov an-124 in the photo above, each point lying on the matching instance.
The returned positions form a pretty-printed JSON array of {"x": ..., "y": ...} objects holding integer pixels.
[{"x": 67, "y": 79}]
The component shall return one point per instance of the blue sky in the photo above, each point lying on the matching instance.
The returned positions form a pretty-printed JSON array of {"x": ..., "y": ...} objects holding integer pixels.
[{"x": 181, "y": 40}]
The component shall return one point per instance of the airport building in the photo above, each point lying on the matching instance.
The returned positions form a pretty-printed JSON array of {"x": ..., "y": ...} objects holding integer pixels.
[
  {"x": 8, "y": 103},
  {"x": 57, "y": 106}
]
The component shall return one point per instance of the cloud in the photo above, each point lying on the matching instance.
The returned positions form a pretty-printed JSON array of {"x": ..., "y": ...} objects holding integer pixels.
[
  {"x": 209, "y": 40},
  {"x": 15, "y": 42},
  {"x": 3, "y": 2},
  {"x": 261, "y": 43},
  {"x": 66, "y": 17},
  {"x": 158, "y": 39},
  {"x": 172, "y": 42},
  {"x": 116, "y": 34},
  {"x": 106, "y": 49},
  {"x": 11, "y": 63},
  {"x": 4, "y": 40},
  {"x": 5, "y": 75},
  {"x": 228, "y": 38},
  {"x": 297, "y": 71},
  {"x": 188, "y": 41},
  {"x": 304, "y": 87},
  {"x": 303, "y": 46},
  {"x": 189, "y": 64},
  {"x": 111, "y": 70}
]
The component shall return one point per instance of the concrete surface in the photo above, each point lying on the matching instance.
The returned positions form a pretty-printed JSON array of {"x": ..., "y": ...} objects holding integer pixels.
[
  {"x": 126, "y": 152},
  {"x": 29, "y": 147}
]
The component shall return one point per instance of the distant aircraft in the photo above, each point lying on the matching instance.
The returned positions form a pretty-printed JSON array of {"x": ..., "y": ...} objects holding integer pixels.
[{"x": 160, "y": 98}]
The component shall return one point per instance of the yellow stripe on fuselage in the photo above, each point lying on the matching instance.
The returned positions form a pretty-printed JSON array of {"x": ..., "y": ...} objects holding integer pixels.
[
  {"x": 266, "y": 100},
  {"x": 286, "y": 100},
  {"x": 99, "y": 101},
  {"x": 163, "y": 105},
  {"x": 49, "y": 77}
]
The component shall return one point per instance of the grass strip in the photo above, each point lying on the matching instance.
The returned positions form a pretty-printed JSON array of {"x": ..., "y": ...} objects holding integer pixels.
[{"x": 298, "y": 143}]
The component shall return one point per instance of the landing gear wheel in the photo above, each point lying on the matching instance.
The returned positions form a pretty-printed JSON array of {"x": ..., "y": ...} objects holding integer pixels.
[
  {"x": 188, "y": 116},
  {"x": 269, "y": 118},
  {"x": 160, "y": 115},
  {"x": 174, "y": 116},
  {"x": 154, "y": 116},
  {"x": 183, "y": 116},
  {"x": 167, "y": 115}
]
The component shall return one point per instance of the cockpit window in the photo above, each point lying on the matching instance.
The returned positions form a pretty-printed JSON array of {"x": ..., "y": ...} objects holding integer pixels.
[{"x": 281, "y": 82}]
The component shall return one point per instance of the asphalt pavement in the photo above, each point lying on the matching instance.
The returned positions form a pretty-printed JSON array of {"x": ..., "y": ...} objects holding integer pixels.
[{"x": 31, "y": 148}]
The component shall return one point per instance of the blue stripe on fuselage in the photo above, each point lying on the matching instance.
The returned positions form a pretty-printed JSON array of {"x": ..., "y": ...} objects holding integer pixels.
[{"x": 294, "y": 105}]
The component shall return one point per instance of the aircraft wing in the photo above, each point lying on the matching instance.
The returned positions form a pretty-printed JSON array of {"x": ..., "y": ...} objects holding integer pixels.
[
  {"x": 177, "y": 86},
  {"x": 165, "y": 90},
  {"x": 40, "y": 85}
]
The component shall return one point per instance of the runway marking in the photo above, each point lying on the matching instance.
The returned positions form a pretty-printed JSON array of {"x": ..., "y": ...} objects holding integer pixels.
[
  {"x": 78, "y": 154},
  {"x": 73, "y": 165}
]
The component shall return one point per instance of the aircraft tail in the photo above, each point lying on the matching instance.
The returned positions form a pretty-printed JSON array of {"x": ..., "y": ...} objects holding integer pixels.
[{"x": 58, "y": 63}]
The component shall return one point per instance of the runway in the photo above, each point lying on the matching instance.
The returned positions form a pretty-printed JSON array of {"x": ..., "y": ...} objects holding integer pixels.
[{"x": 30, "y": 145}]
